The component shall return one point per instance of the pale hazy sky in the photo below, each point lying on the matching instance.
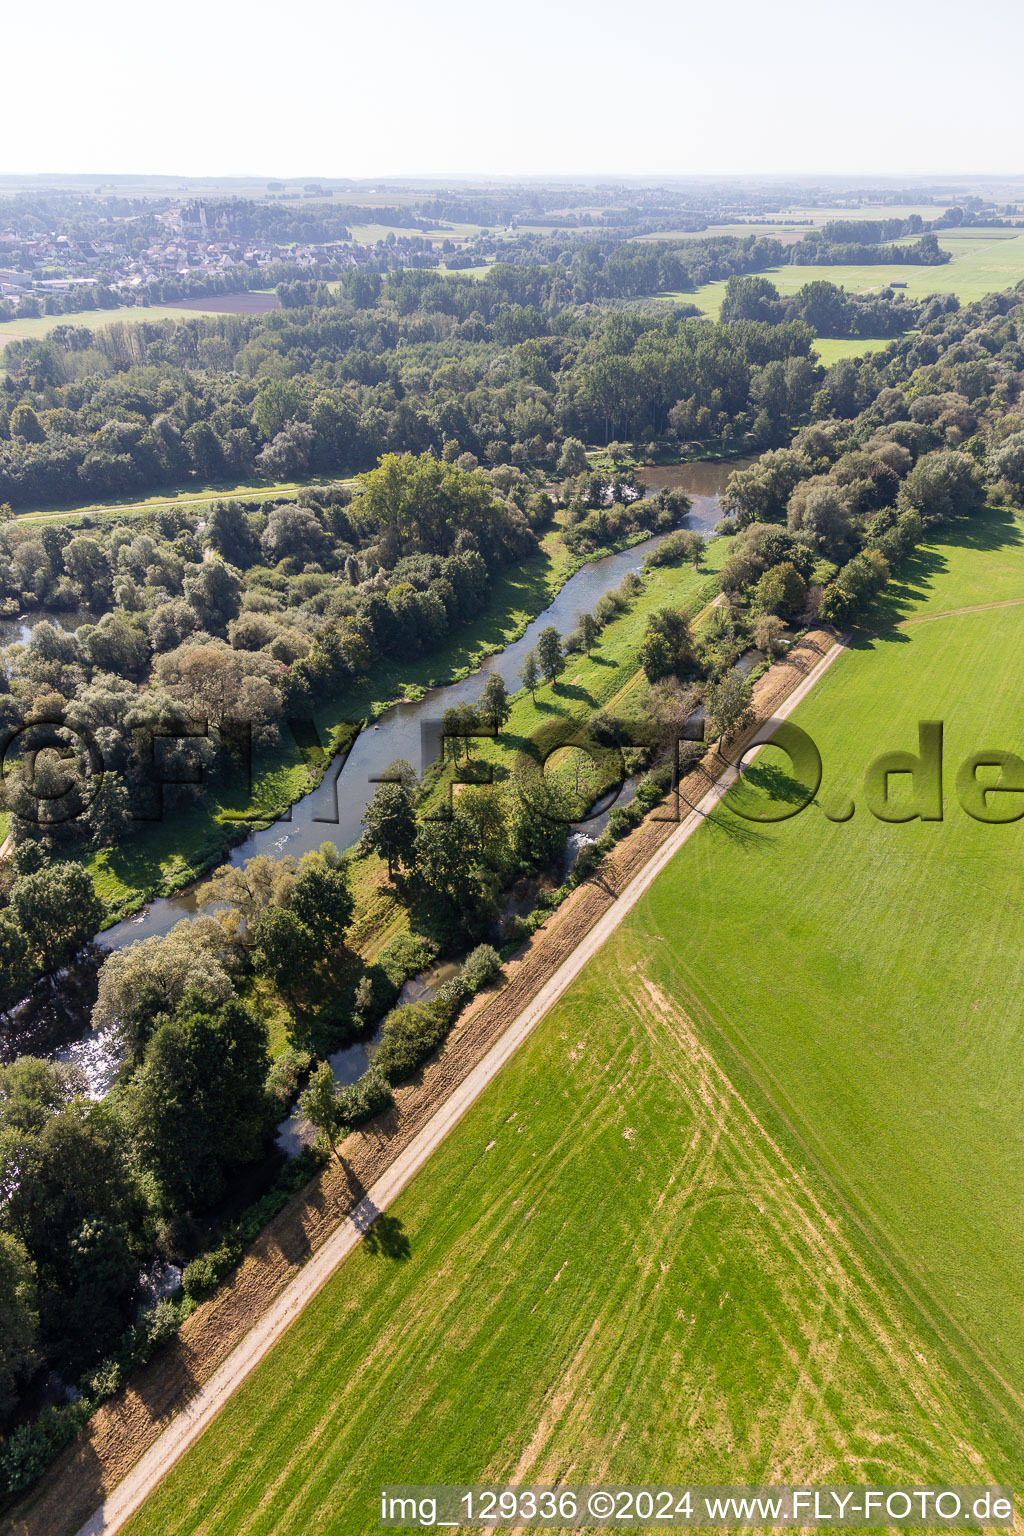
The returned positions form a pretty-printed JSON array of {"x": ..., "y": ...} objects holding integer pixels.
[{"x": 200, "y": 87}]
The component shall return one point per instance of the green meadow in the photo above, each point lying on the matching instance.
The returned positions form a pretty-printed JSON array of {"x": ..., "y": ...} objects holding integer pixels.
[
  {"x": 744, "y": 1207},
  {"x": 829, "y": 349},
  {"x": 38, "y": 326},
  {"x": 981, "y": 263}
]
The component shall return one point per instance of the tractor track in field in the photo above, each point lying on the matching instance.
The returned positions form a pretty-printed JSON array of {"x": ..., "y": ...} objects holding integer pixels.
[
  {"x": 955, "y": 613},
  {"x": 130, "y": 1443}
]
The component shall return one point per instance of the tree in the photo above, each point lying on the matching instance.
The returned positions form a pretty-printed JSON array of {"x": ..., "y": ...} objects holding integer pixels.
[
  {"x": 550, "y": 655},
  {"x": 781, "y": 590},
  {"x": 819, "y": 512},
  {"x": 768, "y": 629},
  {"x": 493, "y": 706},
  {"x": 694, "y": 544},
  {"x": 728, "y": 705},
  {"x": 750, "y": 298},
  {"x": 15, "y": 958},
  {"x": 530, "y": 673},
  {"x": 278, "y": 402},
  {"x": 231, "y": 536},
  {"x": 446, "y": 852},
  {"x": 150, "y": 978},
  {"x": 390, "y": 824},
  {"x": 1007, "y": 462},
  {"x": 197, "y": 1107},
  {"x": 943, "y": 485},
  {"x": 75, "y": 1168},
  {"x": 668, "y": 644},
  {"x": 321, "y": 1107},
  {"x": 573, "y": 458},
  {"x": 26, "y": 424},
  {"x": 293, "y": 532},
  {"x": 283, "y": 948},
  {"x": 100, "y": 1282},
  {"x": 655, "y": 655},
  {"x": 321, "y": 899},
  {"x": 215, "y": 594},
  {"x": 19, "y": 1319},
  {"x": 58, "y": 909},
  {"x": 588, "y": 630}
]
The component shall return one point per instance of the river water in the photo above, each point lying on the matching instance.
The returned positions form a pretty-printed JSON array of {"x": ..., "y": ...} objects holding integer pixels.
[{"x": 54, "y": 1020}]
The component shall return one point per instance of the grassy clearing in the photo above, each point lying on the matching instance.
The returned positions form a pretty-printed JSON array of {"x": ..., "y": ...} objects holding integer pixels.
[
  {"x": 742, "y": 1209},
  {"x": 830, "y": 349},
  {"x": 610, "y": 673}
]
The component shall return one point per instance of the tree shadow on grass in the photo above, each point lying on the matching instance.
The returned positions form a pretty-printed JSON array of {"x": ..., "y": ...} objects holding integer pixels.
[
  {"x": 386, "y": 1238},
  {"x": 736, "y": 828}
]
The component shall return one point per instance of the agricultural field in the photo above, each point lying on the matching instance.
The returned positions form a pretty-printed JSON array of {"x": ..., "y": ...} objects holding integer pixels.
[
  {"x": 370, "y": 233},
  {"x": 982, "y": 263},
  {"x": 38, "y": 326},
  {"x": 762, "y": 1144}
]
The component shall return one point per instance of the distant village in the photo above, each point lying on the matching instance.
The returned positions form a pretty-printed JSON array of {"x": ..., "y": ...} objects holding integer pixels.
[{"x": 192, "y": 249}]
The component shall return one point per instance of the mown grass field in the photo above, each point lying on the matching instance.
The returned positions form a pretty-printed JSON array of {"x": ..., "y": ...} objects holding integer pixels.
[
  {"x": 981, "y": 263},
  {"x": 36, "y": 327},
  {"x": 744, "y": 1207},
  {"x": 195, "y": 495},
  {"x": 830, "y": 349}
]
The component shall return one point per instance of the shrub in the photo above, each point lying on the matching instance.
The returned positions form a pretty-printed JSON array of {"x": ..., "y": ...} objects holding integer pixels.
[
  {"x": 207, "y": 1270},
  {"x": 369, "y": 1096},
  {"x": 404, "y": 956},
  {"x": 451, "y": 996},
  {"x": 481, "y": 967},
  {"x": 286, "y": 1073},
  {"x": 31, "y": 1448},
  {"x": 408, "y": 1036}
]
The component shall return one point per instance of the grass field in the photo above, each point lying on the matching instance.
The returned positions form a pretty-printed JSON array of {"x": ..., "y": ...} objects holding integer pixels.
[
  {"x": 744, "y": 1208},
  {"x": 831, "y": 348},
  {"x": 981, "y": 263},
  {"x": 192, "y": 495},
  {"x": 94, "y": 319}
]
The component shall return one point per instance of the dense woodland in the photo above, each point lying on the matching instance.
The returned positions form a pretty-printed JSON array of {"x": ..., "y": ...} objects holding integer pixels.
[{"x": 465, "y": 407}]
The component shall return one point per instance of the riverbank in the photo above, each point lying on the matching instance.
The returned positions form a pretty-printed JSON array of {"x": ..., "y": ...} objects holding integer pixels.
[{"x": 123, "y": 1430}]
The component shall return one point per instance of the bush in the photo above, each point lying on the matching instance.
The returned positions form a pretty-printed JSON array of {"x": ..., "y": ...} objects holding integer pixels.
[
  {"x": 369, "y": 1096},
  {"x": 31, "y": 1448},
  {"x": 481, "y": 967},
  {"x": 408, "y": 1036},
  {"x": 451, "y": 996},
  {"x": 405, "y": 956},
  {"x": 207, "y": 1270},
  {"x": 286, "y": 1073}
]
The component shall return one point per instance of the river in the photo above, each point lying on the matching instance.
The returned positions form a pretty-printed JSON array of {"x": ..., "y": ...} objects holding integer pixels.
[{"x": 333, "y": 811}]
